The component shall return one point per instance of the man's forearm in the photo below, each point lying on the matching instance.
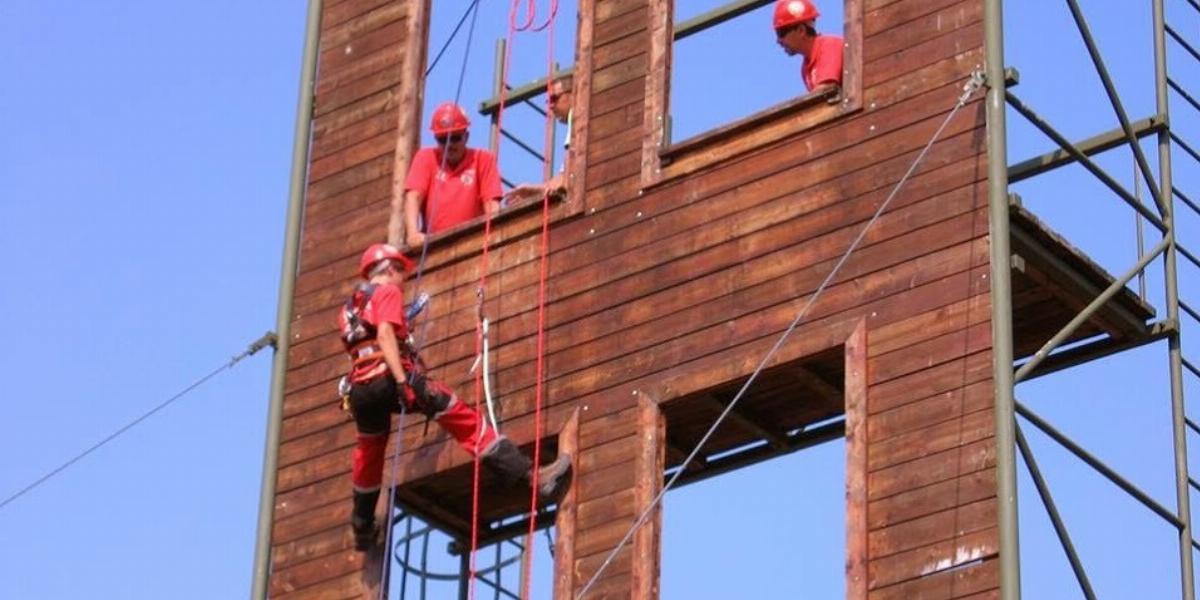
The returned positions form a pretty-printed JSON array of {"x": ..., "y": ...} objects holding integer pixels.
[{"x": 412, "y": 209}]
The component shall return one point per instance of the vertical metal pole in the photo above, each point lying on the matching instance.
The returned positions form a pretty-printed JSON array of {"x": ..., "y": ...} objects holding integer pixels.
[
  {"x": 464, "y": 575},
  {"x": 497, "y": 90},
  {"x": 1001, "y": 288},
  {"x": 283, "y": 313},
  {"x": 1187, "y": 577},
  {"x": 524, "y": 548},
  {"x": 551, "y": 131},
  {"x": 1139, "y": 230},
  {"x": 408, "y": 524}
]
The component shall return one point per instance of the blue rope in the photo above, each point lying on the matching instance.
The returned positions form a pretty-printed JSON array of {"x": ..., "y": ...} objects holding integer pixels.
[{"x": 462, "y": 73}]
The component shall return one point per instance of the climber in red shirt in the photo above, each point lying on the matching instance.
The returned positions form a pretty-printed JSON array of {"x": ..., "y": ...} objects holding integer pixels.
[{"x": 388, "y": 376}]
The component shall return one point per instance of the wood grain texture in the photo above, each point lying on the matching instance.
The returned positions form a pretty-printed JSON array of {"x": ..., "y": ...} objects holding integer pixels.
[{"x": 667, "y": 290}]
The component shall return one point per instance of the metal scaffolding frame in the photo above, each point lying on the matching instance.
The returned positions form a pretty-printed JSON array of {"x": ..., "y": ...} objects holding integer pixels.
[
  {"x": 1160, "y": 215},
  {"x": 411, "y": 541}
]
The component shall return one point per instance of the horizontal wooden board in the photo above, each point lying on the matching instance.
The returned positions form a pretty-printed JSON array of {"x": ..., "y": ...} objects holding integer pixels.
[
  {"x": 355, "y": 132},
  {"x": 353, "y": 29},
  {"x": 954, "y": 16},
  {"x": 972, "y": 582},
  {"x": 931, "y": 529},
  {"x": 915, "y": 416},
  {"x": 340, "y": 11},
  {"x": 335, "y": 60},
  {"x": 931, "y": 469},
  {"x": 929, "y": 499},
  {"x": 890, "y": 16},
  {"x": 935, "y": 558}
]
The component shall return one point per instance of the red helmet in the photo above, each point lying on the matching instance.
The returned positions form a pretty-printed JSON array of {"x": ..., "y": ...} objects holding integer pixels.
[
  {"x": 794, "y": 12},
  {"x": 378, "y": 252},
  {"x": 449, "y": 117}
]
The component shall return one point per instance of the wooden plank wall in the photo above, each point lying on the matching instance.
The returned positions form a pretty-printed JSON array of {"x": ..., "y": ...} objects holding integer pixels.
[
  {"x": 358, "y": 90},
  {"x": 657, "y": 293},
  {"x": 718, "y": 259}
]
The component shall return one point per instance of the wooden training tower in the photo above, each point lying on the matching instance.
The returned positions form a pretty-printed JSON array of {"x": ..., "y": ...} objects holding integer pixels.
[{"x": 672, "y": 271}]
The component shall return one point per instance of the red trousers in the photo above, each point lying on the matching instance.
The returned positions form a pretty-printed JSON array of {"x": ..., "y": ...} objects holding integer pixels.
[{"x": 373, "y": 404}]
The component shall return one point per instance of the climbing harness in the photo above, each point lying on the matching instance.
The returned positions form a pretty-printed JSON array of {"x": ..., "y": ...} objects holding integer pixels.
[
  {"x": 358, "y": 335},
  {"x": 976, "y": 81}
]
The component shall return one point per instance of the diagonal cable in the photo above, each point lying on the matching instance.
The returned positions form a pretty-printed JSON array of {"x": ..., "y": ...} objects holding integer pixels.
[
  {"x": 268, "y": 339},
  {"x": 450, "y": 40},
  {"x": 969, "y": 89}
]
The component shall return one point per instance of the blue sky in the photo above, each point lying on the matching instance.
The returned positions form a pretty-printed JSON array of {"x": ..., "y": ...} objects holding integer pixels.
[{"x": 145, "y": 169}]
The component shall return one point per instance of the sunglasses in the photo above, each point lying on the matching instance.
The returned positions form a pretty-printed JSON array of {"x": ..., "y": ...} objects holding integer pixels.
[
  {"x": 779, "y": 33},
  {"x": 453, "y": 138},
  {"x": 554, "y": 97}
]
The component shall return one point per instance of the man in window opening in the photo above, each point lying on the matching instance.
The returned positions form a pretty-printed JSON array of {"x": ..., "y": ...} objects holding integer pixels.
[
  {"x": 795, "y": 30},
  {"x": 387, "y": 376},
  {"x": 561, "y": 104},
  {"x": 450, "y": 183}
]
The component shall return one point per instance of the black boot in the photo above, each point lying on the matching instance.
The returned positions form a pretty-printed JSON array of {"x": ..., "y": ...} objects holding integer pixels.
[
  {"x": 362, "y": 520},
  {"x": 554, "y": 478},
  {"x": 505, "y": 460}
]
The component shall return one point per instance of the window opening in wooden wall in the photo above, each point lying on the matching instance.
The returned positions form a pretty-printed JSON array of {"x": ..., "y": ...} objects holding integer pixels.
[
  {"x": 721, "y": 84},
  {"x": 755, "y": 71},
  {"x": 476, "y": 57},
  {"x": 772, "y": 530},
  {"x": 766, "y": 499}
]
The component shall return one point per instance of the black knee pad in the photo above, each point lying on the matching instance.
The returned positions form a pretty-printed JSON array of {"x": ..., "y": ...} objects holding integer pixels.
[{"x": 432, "y": 396}]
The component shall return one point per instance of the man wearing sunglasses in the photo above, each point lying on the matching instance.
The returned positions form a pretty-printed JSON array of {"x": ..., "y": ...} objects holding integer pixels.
[
  {"x": 561, "y": 102},
  {"x": 449, "y": 183},
  {"x": 796, "y": 32}
]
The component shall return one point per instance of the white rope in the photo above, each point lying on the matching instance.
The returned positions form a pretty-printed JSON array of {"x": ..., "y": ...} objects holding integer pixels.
[
  {"x": 969, "y": 89},
  {"x": 484, "y": 359}
]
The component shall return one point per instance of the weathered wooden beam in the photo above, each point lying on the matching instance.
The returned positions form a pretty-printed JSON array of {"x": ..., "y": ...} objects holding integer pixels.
[
  {"x": 567, "y": 514},
  {"x": 677, "y": 450},
  {"x": 746, "y": 419},
  {"x": 1071, "y": 287},
  {"x": 857, "y": 466},
  {"x": 647, "y": 540},
  {"x": 827, "y": 391},
  {"x": 798, "y": 441},
  {"x": 432, "y": 513}
]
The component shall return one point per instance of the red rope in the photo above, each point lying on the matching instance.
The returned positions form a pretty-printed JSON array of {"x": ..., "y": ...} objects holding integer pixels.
[
  {"x": 513, "y": 27},
  {"x": 539, "y": 387},
  {"x": 483, "y": 270},
  {"x": 479, "y": 375}
]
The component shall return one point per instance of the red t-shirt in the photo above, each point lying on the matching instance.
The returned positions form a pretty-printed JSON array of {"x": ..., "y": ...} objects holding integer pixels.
[
  {"x": 386, "y": 305},
  {"x": 824, "y": 64},
  {"x": 453, "y": 196}
]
